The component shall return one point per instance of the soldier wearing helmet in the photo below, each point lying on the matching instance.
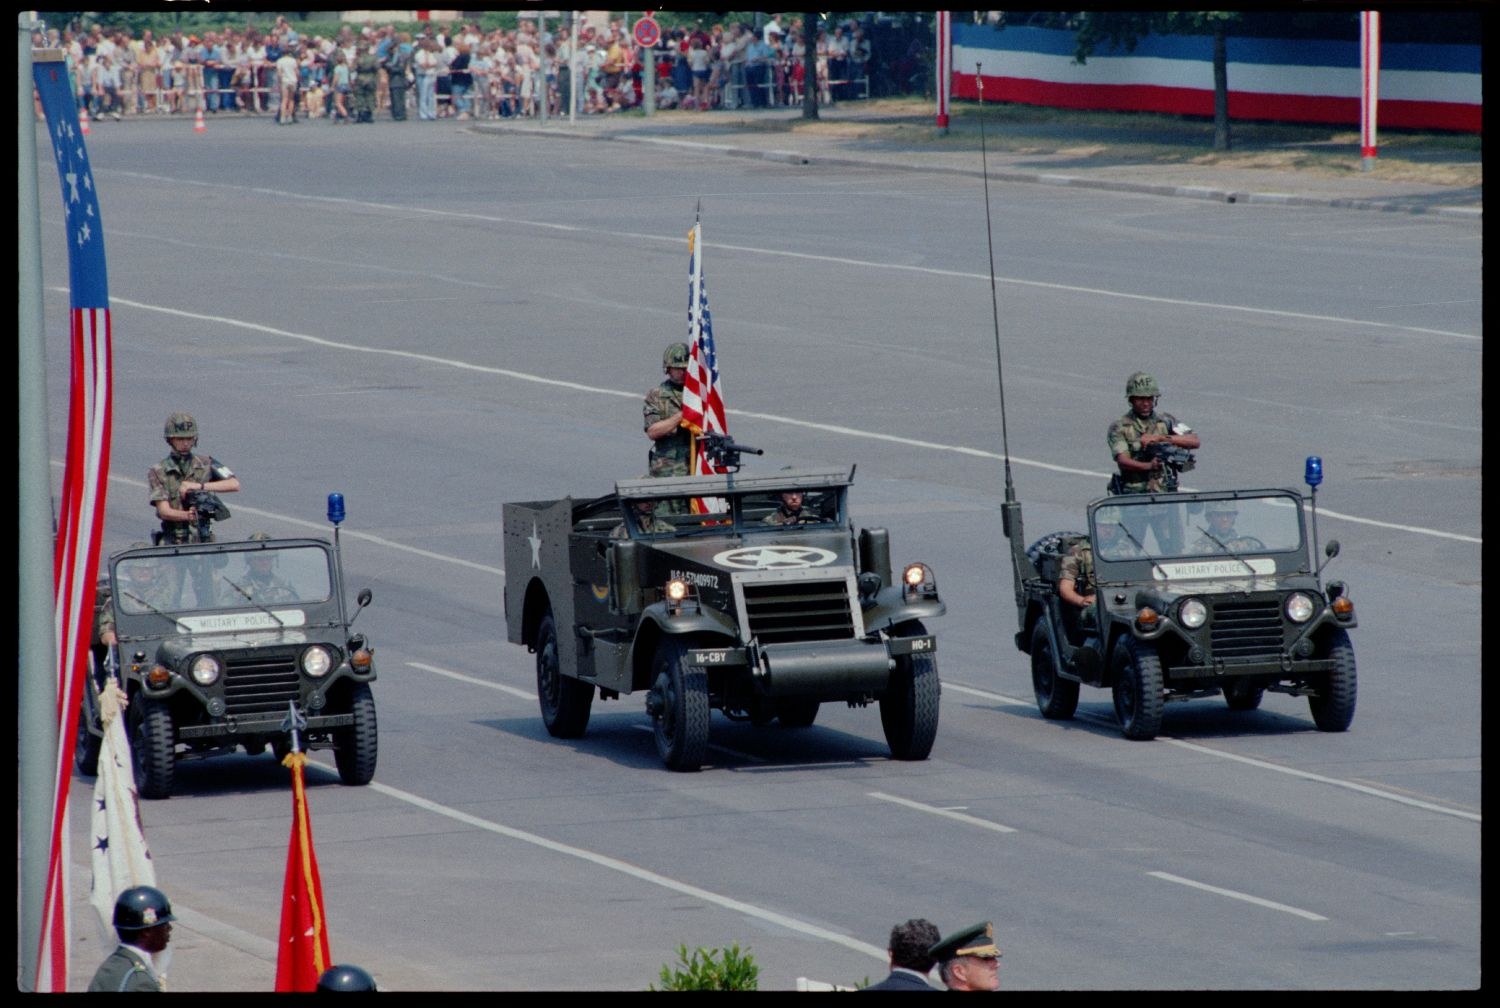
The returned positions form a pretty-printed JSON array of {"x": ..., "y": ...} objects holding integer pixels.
[
  {"x": 184, "y": 472},
  {"x": 1131, "y": 438},
  {"x": 1075, "y": 576},
  {"x": 259, "y": 582},
  {"x": 1220, "y": 535},
  {"x": 346, "y": 977},
  {"x": 671, "y": 442},
  {"x": 144, "y": 586},
  {"x": 143, "y": 921}
]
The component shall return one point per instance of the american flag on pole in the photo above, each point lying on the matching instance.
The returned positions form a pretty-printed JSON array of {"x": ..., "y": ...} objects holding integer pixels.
[
  {"x": 702, "y": 404},
  {"x": 80, "y": 523},
  {"x": 302, "y": 954}
]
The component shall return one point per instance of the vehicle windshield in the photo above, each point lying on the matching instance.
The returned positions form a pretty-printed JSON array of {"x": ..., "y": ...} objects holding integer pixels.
[
  {"x": 760, "y": 511},
  {"x": 237, "y": 579},
  {"x": 1131, "y": 528}
]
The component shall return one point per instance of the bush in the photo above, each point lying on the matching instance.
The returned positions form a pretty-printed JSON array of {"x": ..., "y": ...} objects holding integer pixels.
[{"x": 704, "y": 970}]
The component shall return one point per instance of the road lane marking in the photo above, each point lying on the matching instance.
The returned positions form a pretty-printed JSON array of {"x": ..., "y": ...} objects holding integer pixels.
[
  {"x": 999, "y": 698},
  {"x": 1232, "y": 894},
  {"x": 634, "y": 871},
  {"x": 471, "y": 680},
  {"x": 945, "y": 813},
  {"x": 1334, "y": 781},
  {"x": 768, "y": 417}
]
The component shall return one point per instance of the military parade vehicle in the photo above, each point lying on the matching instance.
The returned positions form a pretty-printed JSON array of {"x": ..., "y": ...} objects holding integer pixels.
[
  {"x": 726, "y": 609},
  {"x": 1195, "y": 594},
  {"x": 233, "y": 644}
]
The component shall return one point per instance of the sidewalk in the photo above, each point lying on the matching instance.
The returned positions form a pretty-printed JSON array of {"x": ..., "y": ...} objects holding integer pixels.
[{"x": 1114, "y": 158}]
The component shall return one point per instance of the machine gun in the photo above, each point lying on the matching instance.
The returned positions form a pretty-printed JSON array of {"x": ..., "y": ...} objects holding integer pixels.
[
  {"x": 1175, "y": 461},
  {"x": 209, "y": 509},
  {"x": 723, "y": 452}
]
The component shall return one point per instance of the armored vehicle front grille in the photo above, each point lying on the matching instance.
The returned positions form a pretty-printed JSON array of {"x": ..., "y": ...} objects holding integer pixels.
[
  {"x": 1247, "y": 631},
  {"x": 260, "y": 684},
  {"x": 781, "y": 611}
]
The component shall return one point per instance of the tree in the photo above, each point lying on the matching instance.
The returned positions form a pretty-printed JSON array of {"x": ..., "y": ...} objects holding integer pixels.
[{"x": 1123, "y": 29}]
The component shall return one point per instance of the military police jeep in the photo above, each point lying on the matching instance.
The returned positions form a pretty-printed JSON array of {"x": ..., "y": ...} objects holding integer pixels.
[
  {"x": 220, "y": 643},
  {"x": 1195, "y": 594},
  {"x": 721, "y": 609}
]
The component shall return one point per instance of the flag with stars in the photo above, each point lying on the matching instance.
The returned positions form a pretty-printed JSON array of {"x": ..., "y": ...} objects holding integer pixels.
[
  {"x": 120, "y": 856},
  {"x": 702, "y": 403},
  {"x": 80, "y": 519}
]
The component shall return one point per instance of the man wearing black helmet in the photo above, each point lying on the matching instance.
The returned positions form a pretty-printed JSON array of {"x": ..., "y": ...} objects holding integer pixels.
[
  {"x": 143, "y": 921},
  {"x": 1132, "y": 437},
  {"x": 345, "y": 978},
  {"x": 183, "y": 472}
]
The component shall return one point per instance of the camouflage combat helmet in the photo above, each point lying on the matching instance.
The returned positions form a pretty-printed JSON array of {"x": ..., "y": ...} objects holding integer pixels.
[
  {"x": 142, "y": 907},
  {"x": 259, "y": 537},
  {"x": 676, "y": 356},
  {"x": 180, "y": 425},
  {"x": 1221, "y": 507},
  {"x": 1107, "y": 516},
  {"x": 1141, "y": 384}
]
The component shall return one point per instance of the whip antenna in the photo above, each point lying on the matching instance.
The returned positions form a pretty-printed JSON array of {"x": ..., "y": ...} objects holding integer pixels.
[{"x": 994, "y": 298}]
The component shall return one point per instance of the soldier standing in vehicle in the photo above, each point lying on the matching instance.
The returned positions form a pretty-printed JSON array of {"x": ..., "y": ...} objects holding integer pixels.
[
  {"x": 143, "y": 922},
  {"x": 183, "y": 472},
  {"x": 671, "y": 442},
  {"x": 1132, "y": 436}
]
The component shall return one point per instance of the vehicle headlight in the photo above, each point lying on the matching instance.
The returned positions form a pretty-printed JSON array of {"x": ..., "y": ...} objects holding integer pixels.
[
  {"x": 917, "y": 580},
  {"x": 1300, "y": 607},
  {"x": 677, "y": 590},
  {"x": 914, "y": 575},
  {"x": 1193, "y": 613},
  {"x": 205, "y": 670},
  {"x": 316, "y": 661}
]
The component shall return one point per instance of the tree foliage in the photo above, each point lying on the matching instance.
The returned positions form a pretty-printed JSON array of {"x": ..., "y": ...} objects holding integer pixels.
[{"x": 711, "y": 970}]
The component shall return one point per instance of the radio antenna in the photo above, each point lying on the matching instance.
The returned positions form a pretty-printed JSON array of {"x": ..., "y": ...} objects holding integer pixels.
[{"x": 1010, "y": 492}]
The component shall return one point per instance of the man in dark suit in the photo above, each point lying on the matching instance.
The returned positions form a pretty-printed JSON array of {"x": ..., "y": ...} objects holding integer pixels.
[{"x": 910, "y": 958}]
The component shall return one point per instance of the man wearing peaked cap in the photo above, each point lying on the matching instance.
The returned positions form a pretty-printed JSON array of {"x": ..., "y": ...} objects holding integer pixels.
[{"x": 968, "y": 960}]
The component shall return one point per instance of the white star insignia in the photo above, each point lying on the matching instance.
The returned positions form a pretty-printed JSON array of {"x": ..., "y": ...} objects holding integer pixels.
[{"x": 536, "y": 548}]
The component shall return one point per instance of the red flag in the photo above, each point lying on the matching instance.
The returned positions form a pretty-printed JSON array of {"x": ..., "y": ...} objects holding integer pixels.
[
  {"x": 80, "y": 523},
  {"x": 303, "y": 952}
]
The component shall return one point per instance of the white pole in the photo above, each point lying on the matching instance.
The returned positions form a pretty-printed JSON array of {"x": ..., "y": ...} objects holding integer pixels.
[
  {"x": 1369, "y": 94},
  {"x": 944, "y": 47},
  {"x": 573, "y": 96}
]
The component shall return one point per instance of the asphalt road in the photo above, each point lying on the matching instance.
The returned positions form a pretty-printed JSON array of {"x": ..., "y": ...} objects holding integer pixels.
[{"x": 432, "y": 322}]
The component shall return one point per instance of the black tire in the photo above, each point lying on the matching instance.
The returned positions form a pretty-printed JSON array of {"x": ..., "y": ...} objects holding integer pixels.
[
  {"x": 152, "y": 747},
  {"x": 909, "y": 706},
  {"x": 86, "y": 746},
  {"x": 1243, "y": 696},
  {"x": 797, "y": 712},
  {"x": 1137, "y": 689},
  {"x": 357, "y": 747},
  {"x": 1056, "y": 697},
  {"x": 254, "y": 747},
  {"x": 680, "y": 708},
  {"x": 565, "y": 701},
  {"x": 1333, "y": 707}
]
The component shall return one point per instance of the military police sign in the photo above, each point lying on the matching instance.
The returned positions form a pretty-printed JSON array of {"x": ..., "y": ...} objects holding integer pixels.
[{"x": 647, "y": 32}]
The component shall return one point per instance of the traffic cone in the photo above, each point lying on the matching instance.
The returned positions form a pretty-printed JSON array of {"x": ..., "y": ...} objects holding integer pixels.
[
  {"x": 198, "y": 126},
  {"x": 83, "y": 120}
]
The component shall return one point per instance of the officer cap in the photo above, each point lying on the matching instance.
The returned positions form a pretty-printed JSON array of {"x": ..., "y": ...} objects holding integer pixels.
[
  {"x": 976, "y": 940},
  {"x": 345, "y": 978},
  {"x": 142, "y": 907},
  {"x": 1141, "y": 384},
  {"x": 180, "y": 425},
  {"x": 676, "y": 355}
]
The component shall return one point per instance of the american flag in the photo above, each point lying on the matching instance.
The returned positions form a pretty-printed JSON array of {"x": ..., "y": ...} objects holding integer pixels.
[
  {"x": 80, "y": 523},
  {"x": 702, "y": 406}
]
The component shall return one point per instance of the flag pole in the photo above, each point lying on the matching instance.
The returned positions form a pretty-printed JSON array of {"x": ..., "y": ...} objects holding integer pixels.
[{"x": 37, "y": 667}]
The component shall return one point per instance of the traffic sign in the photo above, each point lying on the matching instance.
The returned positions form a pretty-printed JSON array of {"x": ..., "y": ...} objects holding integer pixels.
[{"x": 647, "y": 32}]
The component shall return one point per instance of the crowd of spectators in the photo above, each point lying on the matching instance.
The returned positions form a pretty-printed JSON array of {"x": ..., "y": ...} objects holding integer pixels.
[{"x": 457, "y": 71}]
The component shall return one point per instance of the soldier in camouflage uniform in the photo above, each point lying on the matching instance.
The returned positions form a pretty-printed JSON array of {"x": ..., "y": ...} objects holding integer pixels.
[
  {"x": 366, "y": 75},
  {"x": 259, "y": 582},
  {"x": 180, "y": 472},
  {"x": 1220, "y": 535},
  {"x": 146, "y": 587},
  {"x": 1075, "y": 576},
  {"x": 1131, "y": 437},
  {"x": 643, "y": 513},
  {"x": 671, "y": 442},
  {"x": 790, "y": 512}
]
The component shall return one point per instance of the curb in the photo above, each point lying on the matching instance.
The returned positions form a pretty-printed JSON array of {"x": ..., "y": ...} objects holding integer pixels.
[{"x": 1040, "y": 178}]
